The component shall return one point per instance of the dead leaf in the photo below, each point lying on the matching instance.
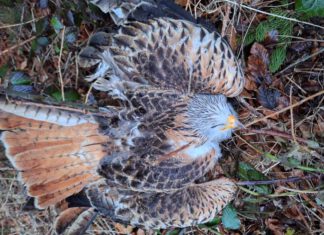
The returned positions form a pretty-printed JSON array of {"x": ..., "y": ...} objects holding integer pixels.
[
  {"x": 275, "y": 226},
  {"x": 268, "y": 98},
  {"x": 293, "y": 213},
  {"x": 258, "y": 66}
]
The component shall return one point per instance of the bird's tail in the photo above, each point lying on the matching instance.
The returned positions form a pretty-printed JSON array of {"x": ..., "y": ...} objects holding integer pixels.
[{"x": 55, "y": 151}]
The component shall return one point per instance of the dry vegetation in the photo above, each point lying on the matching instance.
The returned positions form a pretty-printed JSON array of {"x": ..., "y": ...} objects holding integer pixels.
[{"x": 282, "y": 104}]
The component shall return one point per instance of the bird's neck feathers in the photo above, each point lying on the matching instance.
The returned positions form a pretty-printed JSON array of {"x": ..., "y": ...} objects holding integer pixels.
[{"x": 207, "y": 115}]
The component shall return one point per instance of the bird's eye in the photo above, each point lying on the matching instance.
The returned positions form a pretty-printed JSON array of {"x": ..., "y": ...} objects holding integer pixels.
[{"x": 217, "y": 125}]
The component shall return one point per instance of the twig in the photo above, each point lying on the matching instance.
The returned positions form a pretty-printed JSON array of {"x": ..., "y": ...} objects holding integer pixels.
[
  {"x": 292, "y": 117},
  {"x": 59, "y": 64},
  {"x": 275, "y": 15},
  {"x": 226, "y": 19},
  {"x": 275, "y": 181},
  {"x": 285, "y": 109},
  {"x": 301, "y": 60},
  {"x": 17, "y": 45},
  {"x": 19, "y": 24},
  {"x": 275, "y": 133}
]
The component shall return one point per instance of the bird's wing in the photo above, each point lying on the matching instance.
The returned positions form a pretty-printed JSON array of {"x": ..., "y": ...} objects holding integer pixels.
[
  {"x": 122, "y": 11},
  {"x": 149, "y": 142},
  {"x": 56, "y": 152},
  {"x": 163, "y": 53},
  {"x": 196, "y": 204}
]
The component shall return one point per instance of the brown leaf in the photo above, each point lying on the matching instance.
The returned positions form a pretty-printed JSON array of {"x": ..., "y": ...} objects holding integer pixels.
[
  {"x": 268, "y": 98},
  {"x": 275, "y": 226},
  {"x": 257, "y": 66},
  {"x": 293, "y": 213}
]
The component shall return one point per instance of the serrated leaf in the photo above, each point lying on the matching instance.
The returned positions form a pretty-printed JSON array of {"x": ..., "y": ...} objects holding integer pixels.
[
  {"x": 70, "y": 96},
  {"x": 277, "y": 58},
  {"x": 230, "y": 219},
  {"x": 19, "y": 78},
  {"x": 56, "y": 24},
  {"x": 247, "y": 172}
]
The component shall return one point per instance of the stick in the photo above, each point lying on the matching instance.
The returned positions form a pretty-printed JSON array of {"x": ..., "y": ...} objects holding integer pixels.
[
  {"x": 275, "y": 181},
  {"x": 287, "y": 108}
]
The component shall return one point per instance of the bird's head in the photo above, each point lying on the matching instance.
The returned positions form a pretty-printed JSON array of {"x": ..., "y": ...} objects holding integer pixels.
[{"x": 212, "y": 117}]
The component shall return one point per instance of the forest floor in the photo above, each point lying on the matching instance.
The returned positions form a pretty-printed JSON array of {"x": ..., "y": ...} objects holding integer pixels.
[{"x": 280, "y": 44}]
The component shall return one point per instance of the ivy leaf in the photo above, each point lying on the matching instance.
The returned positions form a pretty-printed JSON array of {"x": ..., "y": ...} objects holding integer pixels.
[{"x": 230, "y": 219}]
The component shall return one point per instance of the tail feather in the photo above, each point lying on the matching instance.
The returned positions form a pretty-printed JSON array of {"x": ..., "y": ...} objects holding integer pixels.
[{"x": 55, "y": 156}]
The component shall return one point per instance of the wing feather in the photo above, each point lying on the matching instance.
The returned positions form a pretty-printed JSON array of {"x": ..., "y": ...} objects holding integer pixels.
[{"x": 166, "y": 54}]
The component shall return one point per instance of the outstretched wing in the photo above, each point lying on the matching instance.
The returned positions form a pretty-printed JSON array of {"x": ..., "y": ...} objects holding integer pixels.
[
  {"x": 166, "y": 54},
  {"x": 196, "y": 204},
  {"x": 151, "y": 137}
]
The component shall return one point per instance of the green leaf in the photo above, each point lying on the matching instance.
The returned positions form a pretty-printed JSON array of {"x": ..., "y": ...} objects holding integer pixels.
[
  {"x": 56, "y": 24},
  {"x": 213, "y": 222},
  {"x": 310, "y": 7},
  {"x": 313, "y": 144},
  {"x": 277, "y": 58},
  {"x": 261, "y": 31},
  {"x": 70, "y": 96},
  {"x": 3, "y": 70},
  {"x": 41, "y": 26},
  {"x": 19, "y": 78},
  {"x": 290, "y": 231},
  {"x": 247, "y": 172},
  {"x": 230, "y": 219},
  {"x": 10, "y": 15}
]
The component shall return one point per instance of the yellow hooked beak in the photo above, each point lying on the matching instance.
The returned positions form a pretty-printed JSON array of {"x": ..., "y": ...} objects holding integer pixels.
[{"x": 232, "y": 123}]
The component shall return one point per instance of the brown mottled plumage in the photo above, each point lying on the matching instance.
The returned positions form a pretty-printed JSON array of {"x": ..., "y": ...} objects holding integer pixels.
[
  {"x": 139, "y": 166},
  {"x": 153, "y": 147},
  {"x": 163, "y": 53}
]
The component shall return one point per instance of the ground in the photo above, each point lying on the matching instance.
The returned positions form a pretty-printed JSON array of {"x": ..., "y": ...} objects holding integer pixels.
[{"x": 280, "y": 45}]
